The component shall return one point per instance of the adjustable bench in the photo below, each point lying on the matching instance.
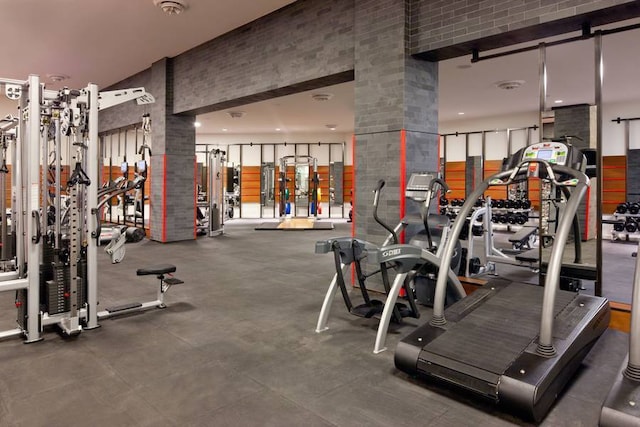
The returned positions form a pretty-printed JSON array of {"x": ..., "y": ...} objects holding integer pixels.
[
  {"x": 160, "y": 271},
  {"x": 522, "y": 238}
]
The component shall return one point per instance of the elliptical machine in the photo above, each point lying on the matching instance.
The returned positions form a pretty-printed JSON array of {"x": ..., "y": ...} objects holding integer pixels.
[{"x": 421, "y": 259}]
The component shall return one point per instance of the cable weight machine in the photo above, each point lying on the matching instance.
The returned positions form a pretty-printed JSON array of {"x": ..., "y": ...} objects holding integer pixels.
[{"x": 56, "y": 218}]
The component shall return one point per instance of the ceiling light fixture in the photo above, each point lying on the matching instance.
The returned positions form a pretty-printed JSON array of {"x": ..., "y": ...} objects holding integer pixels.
[
  {"x": 224, "y": 129},
  {"x": 171, "y": 7},
  {"x": 197, "y": 124},
  {"x": 509, "y": 84},
  {"x": 236, "y": 114},
  {"x": 558, "y": 101},
  {"x": 461, "y": 113},
  {"x": 321, "y": 97},
  {"x": 278, "y": 129}
]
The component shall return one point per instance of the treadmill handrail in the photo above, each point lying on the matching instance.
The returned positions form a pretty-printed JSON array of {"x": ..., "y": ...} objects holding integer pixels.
[
  {"x": 505, "y": 178},
  {"x": 634, "y": 332}
]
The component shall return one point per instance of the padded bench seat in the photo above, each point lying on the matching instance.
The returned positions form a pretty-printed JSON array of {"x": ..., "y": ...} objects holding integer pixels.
[{"x": 156, "y": 270}]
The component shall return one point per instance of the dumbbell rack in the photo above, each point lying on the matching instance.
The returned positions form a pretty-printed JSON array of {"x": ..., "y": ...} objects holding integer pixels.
[
  {"x": 511, "y": 215},
  {"x": 630, "y": 214},
  {"x": 626, "y": 234}
]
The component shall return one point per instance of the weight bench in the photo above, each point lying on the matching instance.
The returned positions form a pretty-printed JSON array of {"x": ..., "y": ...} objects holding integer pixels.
[
  {"x": 160, "y": 271},
  {"x": 521, "y": 239}
]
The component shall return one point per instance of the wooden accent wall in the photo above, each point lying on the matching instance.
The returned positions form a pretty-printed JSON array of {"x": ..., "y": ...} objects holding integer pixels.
[
  {"x": 534, "y": 193},
  {"x": 347, "y": 183},
  {"x": 492, "y": 167},
  {"x": 614, "y": 182},
  {"x": 250, "y": 184},
  {"x": 454, "y": 174}
]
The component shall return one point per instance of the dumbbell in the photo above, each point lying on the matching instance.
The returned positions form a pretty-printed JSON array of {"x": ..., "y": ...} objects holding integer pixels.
[
  {"x": 443, "y": 211},
  {"x": 619, "y": 226},
  {"x": 508, "y": 204},
  {"x": 634, "y": 208},
  {"x": 494, "y": 218},
  {"x": 477, "y": 230},
  {"x": 521, "y": 219},
  {"x": 631, "y": 226},
  {"x": 512, "y": 218},
  {"x": 526, "y": 204},
  {"x": 444, "y": 201},
  {"x": 478, "y": 203},
  {"x": 499, "y": 203},
  {"x": 493, "y": 203},
  {"x": 622, "y": 208}
]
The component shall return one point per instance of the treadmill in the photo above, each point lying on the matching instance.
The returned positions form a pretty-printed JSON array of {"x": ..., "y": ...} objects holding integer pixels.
[
  {"x": 515, "y": 344},
  {"x": 622, "y": 407}
]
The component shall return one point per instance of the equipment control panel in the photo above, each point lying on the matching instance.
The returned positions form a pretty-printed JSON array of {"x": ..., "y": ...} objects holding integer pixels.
[
  {"x": 418, "y": 186},
  {"x": 554, "y": 153}
]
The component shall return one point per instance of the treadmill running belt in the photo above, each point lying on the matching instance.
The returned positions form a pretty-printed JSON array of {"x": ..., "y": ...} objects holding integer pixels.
[{"x": 492, "y": 336}]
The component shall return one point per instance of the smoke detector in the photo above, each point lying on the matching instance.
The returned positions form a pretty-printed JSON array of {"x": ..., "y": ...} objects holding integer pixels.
[
  {"x": 320, "y": 97},
  {"x": 236, "y": 114},
  {"x": 171, "y": 7},
  {"x": 509, "y": 84}
]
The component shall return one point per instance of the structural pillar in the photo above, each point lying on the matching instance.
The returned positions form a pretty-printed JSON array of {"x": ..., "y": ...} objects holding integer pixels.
[
  {"x": 396, "y": 116},
  {"x": 173, "y": 161}
]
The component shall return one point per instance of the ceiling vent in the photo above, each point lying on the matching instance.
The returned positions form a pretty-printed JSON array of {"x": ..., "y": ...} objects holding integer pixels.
[
  {"x": 320, "y": 97},
  {"x": 509, "y": 84},
  {"x": 171, "y": 7},
  {"x": 236, "y": 114}
]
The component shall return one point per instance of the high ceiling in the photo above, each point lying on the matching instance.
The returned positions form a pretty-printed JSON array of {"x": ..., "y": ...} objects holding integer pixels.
[{"x": 105, "y": 41}]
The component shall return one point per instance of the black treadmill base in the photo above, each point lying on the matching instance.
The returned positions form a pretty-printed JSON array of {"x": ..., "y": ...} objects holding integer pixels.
[
  {"x": 495, "y": 357},
  {"x": 622, "y": 407}
]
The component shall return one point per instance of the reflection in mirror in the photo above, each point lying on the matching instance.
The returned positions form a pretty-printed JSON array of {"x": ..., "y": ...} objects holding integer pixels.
[
  {"x": 302, "y": 187},
  {"x": 267, "y": 192},
  {"x": 568, "y": 116},
  {"x": 620, "y": 162},
  {"x": 336, "y": 188}
]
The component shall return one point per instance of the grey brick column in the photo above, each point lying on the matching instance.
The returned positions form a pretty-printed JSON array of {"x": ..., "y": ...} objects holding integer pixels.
[
  {"x": 576, "y": 120},
  {"x": 172, "y": 163},
  {"x": 395, "y": 112}
]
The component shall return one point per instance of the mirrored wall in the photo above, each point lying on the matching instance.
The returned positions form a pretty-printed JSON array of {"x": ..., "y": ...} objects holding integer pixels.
[
  {"x": 286, "y": 179},
  {"x": 568, "y": 107}
]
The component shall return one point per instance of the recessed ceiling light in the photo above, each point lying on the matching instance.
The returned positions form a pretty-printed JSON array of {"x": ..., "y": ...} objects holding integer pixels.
[
  {"x": 558, "y": 101},
  {"x": 461, "y": 113},
  {"x": 197, "y": 124},
  {"x": 171, "y": 7},
  {"x": 224, "y": 129},
  {"x": 278, "y": 129}
]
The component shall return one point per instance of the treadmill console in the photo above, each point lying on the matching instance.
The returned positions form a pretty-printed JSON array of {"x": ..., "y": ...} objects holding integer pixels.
[
  {"x": 555, "y": 153},
  {"x": 418, "y": 186}
]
